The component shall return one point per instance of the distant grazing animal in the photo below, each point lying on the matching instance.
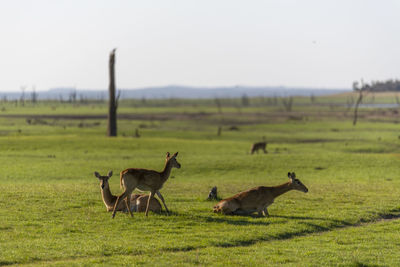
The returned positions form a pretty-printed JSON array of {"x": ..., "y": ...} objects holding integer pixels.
[
  {"x": 257, "y": 199},
  {"x": 145, "y": 180},
  {"x": 257, "y": 146},
  {"x": 138, "y": 202}
]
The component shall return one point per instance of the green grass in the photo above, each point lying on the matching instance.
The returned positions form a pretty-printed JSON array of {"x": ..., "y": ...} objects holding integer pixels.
[{"x": 52, "y": 213}]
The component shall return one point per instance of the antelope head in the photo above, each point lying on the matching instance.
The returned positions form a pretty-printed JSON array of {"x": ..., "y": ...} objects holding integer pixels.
[
  {"x": 172, "y": 160},
  {"x": 296, "y": 184},
  {"x": 103, "y": 179}
]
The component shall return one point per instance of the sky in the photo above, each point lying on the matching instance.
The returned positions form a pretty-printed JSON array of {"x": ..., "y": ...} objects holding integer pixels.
[{"x": 203, "y": 43}]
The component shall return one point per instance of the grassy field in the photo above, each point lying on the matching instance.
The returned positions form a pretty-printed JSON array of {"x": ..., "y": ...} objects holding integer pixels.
[{"x": 52, "y": 212}]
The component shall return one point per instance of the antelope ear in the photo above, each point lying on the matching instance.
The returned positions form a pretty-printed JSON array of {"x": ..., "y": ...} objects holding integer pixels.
[
  {"x": 293, "y": 175},
  {"x": 289, "y": 175},
  {"x": 97, "y": 174},
  {"x": 168, "y": 154},
  {"x": 176, "y": 154},
  {"x": 109, "y": 174}
]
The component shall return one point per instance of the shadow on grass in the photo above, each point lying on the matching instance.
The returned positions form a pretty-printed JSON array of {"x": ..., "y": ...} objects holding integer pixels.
[
  {"x": 261, "y": 220},
  {"x": 5, "y": 263},
  {"x": 341, "y": 222},
  {"x": 181, "y": 249},
  {"x": 223, "y": 219},
  {"x": 360, "y": 264},
  {"x": 392, "y": 215},
  {"x": 311, "y": 229},
  {"x": 306, "y": 218},
  {"x": 232, "y": 221},
  {"x": 218, "y": 219}
]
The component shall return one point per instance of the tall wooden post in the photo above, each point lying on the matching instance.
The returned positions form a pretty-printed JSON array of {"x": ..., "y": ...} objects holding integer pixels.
[{"x": 112, "y": 103}]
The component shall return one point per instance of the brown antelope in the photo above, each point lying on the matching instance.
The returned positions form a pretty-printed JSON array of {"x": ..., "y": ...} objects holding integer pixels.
[
  {"x": 258, "y": 199},
  {"x": 141, "y": 203},
  {"x": 257, "y": 146},
  {"x": 145, "y": 180},
  {"x": 138, "y": 202}
]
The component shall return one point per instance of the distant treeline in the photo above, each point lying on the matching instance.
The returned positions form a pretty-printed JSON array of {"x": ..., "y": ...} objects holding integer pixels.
[{"x": 379, "y": 86}]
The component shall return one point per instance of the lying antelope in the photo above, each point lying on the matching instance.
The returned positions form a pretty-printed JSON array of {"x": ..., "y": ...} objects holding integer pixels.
[
  {"x": 145, "y": 180},
  {"x": 258, "y": 199},
  {"x": 138, "y": 202},
  {"x": 257, "y": 146}
]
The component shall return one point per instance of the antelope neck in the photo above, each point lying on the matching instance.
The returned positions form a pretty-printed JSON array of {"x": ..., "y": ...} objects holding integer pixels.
[
  {"x": 281, "y": 189},
  {"x": 167, "y": 170},
  {"x": 108, "y": 198}
]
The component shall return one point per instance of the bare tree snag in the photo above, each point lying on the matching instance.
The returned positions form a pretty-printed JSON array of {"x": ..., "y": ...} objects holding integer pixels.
[
  {"x": 219, "y": 131},
  {"x": 287, "y": 103},
  {"x": 112, "y": 102},
  {"x": 22, "y": 98},
  {"x": 137, "y": 134},
  {"x": 361, "y": 90}
]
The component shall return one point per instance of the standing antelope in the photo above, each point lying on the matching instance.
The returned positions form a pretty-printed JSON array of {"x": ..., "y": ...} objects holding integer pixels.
[
  {"x": 145, "y": 180},
  {"x": 258, "y": 198},
  {"x": 138, "y": 202}
]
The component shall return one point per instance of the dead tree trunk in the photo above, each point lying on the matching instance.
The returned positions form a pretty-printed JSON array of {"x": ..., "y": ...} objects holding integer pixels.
[
  {"x": 360, "y": 96},
  {"x": 361, "y": 90},
  {"x": 287, "y": 103},
  {"x": 112, "y": 102},
  {"x": 219, "y": 131}
]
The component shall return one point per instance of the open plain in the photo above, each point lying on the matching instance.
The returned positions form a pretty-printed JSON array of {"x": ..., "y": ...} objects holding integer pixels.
[{"x": 51, "y": 211}]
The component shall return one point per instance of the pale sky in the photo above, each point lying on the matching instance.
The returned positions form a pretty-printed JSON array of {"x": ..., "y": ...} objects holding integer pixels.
[{"x": 203, "y": 43}]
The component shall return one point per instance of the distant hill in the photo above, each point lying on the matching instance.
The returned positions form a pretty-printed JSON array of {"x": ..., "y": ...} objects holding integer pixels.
[{"x": 177, "y": 92}]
